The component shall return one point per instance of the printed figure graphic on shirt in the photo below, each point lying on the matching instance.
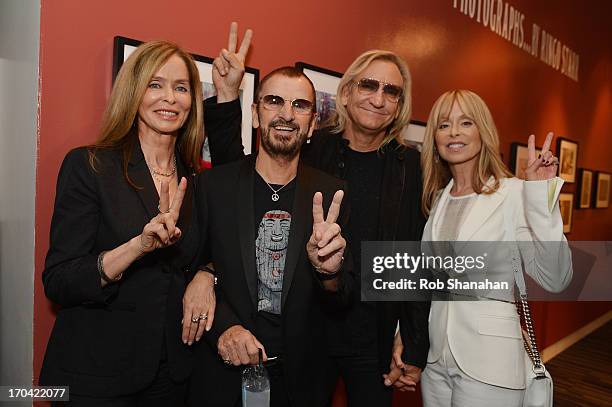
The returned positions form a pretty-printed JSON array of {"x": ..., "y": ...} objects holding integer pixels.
[{"x": 270, "y": 252}]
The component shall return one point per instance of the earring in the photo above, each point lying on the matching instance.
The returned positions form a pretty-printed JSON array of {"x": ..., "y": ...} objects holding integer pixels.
[{"x": 436, "y": 156}]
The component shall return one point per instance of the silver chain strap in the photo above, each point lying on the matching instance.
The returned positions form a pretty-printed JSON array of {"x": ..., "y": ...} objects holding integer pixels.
[
  {"x": 524, "y": 312},
  {"x": 522, "y": 306}
]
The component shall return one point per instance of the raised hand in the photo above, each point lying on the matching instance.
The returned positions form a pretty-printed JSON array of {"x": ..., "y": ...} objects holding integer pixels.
[
  {"x": 326, "y": 245},
  {"x": 543, "y": 167},
  {"x": 161, "y": 231},
  {"x": 228, "y": 67}
]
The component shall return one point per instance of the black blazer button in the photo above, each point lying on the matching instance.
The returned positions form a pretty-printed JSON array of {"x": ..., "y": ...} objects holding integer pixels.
[{"x": 341, "y": 164}]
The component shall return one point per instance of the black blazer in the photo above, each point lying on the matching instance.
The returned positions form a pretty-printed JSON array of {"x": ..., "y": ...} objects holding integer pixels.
[
  {"x": 109, "y": 341},
  {"x": 400, "y": 216},
  {"x": 225, "y": 198}
]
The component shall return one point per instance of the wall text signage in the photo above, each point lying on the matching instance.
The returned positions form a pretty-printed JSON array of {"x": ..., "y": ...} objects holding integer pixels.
[{"x": 508, "y": 22}]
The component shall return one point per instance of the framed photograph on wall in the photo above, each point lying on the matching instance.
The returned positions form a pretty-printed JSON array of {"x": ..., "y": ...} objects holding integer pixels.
[
  {"x": 326, "y": 83},
  {"x": 602, "y": 190},
  {"x": 566, "y": 202},
  {"x": 585, "y": 188},
  {"x": 567, "y": 151},
  {"x": 123, "y": 47},
  {"x": 519, "y": 158},
  {"x": 414, "y": 134}
]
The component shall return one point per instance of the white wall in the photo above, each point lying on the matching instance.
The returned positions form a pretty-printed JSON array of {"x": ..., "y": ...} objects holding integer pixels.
[{"x": 19, "y": 46}]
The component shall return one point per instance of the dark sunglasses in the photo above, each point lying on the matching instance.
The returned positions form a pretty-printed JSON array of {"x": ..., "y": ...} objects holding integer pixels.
[
  {"x": 276, "y": 103},
  {"x": 369, "y": 86}
]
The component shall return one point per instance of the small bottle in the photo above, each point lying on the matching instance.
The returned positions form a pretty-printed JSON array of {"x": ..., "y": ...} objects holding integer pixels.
[{"x": 256, "y": 385}]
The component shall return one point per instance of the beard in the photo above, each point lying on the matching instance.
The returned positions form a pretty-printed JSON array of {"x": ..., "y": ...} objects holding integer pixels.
[{"x": 286, "y": 146}]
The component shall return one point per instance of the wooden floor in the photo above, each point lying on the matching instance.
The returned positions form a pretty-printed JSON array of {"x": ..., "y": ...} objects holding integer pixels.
[{"x": 582, "y": 374}]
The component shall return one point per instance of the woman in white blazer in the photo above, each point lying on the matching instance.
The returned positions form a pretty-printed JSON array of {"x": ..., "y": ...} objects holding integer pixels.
[{"x": 476, "y": 355}]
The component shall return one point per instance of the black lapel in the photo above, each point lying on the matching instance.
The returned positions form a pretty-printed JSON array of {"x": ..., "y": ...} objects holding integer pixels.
[
  {"x": 184, "y": 220},
  {"x": 391, "y": 192},
  {"x": 139, "y": 173},
  {"x": 301, "y": 216},
  {"x": 246, "y": 224}
]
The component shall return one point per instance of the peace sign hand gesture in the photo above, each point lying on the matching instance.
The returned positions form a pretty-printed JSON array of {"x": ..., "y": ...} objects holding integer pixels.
[
  {"x": 326, "y": 245},
  {"x": 162, "y": 231},
  {"x": 228, "y": 67},
  {"x": 543, "y": 167}
]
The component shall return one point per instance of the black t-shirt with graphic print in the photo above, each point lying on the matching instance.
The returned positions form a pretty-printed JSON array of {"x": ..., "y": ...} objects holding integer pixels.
[{"x": 272, "y": 229}]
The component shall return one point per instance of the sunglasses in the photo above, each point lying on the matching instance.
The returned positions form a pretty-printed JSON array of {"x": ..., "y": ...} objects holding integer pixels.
[
  {"x": 276, "y": 103},
  {"x": 369, "y": 86}
]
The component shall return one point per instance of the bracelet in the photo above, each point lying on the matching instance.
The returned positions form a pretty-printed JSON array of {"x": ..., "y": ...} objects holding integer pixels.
[
  {"x": 209, "y": 269},
  {"x": 328, "y": 276},
  {"x": 103, "y": 275},
  {"x": 212, "y": 271}
]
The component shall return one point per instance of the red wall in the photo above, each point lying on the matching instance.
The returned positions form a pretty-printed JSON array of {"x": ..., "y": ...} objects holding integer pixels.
[{"x": 444, "y": 48}]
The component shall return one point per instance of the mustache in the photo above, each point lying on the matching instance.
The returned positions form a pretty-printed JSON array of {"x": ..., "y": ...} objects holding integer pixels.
[{"x": 281, "y": 122}]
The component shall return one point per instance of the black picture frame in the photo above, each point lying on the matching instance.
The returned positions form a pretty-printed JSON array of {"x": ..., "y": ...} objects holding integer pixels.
[
  {"x": 519, "y": 158},
  {"x": 566, "y": 206},
  {"x": 584, "y": 196},
  {"x": 567, "y": 152},
  {"x": 414, "y": 134},
  {"x": 601, "y": 196},
  {"x": 326, "y": 83}
]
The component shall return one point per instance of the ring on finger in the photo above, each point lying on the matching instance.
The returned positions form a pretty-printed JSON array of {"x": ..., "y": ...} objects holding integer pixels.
[
  {"x": 203, "y": 316},
  {"x": 195, "y": 319},
  {"x": 227, "y": 361},
  {"x": 162, "y": 212}
]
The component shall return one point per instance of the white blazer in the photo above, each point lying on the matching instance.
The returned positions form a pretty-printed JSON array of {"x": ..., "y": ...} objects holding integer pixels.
[{"x": 485, "y": 336}]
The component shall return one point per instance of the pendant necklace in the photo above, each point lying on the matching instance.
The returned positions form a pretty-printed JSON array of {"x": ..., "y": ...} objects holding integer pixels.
[{"x": 275, "y": 192}]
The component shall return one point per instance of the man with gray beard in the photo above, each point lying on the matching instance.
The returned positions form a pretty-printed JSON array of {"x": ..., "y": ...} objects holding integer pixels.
[{"x": 278, "y": 258}]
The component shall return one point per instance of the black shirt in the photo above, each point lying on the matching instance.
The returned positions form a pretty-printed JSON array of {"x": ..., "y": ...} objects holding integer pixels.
[
  {"x": 272, "y": 230},
  {"x": 363, "y": 173}
]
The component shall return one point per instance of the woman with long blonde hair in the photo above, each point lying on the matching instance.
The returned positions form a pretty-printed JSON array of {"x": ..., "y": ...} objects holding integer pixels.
[
  {"x": 476, "y": 355},
  {"x": 123, "y": 240}
]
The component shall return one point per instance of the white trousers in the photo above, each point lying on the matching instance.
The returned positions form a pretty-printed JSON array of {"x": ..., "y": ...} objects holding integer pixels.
[{"x": 444, "y": 384}]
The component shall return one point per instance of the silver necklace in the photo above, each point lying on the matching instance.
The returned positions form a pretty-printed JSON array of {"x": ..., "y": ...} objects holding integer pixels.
[
  {"x": 275, "y": 192},
  {"x": 154, "y": 172}
]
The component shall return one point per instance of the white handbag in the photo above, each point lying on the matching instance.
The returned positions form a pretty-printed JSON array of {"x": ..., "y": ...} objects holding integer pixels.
[{"x": 538, "y": 382}]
